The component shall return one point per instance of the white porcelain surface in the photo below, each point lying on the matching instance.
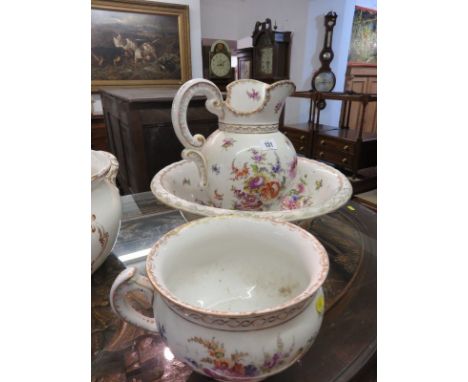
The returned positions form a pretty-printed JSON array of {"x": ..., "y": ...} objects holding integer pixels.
[
  {"x": 106, "y": 206},
  {"x": 318, "y": 190},
  {"x": 232, "y": 305},
  {"x": 247, "y": 164}
]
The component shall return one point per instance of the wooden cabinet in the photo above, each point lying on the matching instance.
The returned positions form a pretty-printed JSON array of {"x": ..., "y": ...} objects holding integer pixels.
[
  {"x": 349, "y": 149},
  {"x": 99, "y": 133},
  {"x": 141, "y": 135},
  {"x": 363, "y": 80},
  {"x": 344, "y": 148},
  {"x": 300, "y": 136}
]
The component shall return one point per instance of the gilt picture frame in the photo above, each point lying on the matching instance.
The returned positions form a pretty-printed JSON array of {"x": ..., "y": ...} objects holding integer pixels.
[{"x": 139, "y": 43}]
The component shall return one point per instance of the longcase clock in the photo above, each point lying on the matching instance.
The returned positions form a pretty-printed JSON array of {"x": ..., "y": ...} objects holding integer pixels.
[
  {"x": 219, "y": 60},
  {"x": 219, "y": 64},
  {"x": 271, "y": 50}
]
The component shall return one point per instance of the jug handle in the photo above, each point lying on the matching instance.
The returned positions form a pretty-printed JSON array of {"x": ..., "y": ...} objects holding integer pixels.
[
  {"x": 127, "y": 281},
  {"x": 193, "y": 143}
]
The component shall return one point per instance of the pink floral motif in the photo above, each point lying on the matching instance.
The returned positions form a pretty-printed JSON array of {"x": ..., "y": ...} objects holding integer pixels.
[
  {"x": 255, "y": 95},
  {"x": 218, "y": 196},
  {"x": 297, "y": 197},
  {"x": 258, "y": 156},
  {"x": 292, "y": 171},
  {"x": 291, "y": 202},
  {"x": 255, "y": 182},
  {"x": 239, "y": 173},
  {"x": 234, "y": 367},
  {"x": 228, "y": 142},
  {"x": 245, "y": 201},
  {"x": 218, "y": 199},
  {"x": 263, "y": 182}
]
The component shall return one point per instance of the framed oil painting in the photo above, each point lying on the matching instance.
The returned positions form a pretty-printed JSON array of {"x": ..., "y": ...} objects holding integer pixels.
[
  {"x": 363, "y": 49},
  {"x": 139, "y": 43}
]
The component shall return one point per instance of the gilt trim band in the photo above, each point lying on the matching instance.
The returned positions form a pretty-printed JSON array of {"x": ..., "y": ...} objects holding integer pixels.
[{"x": 248, "y": 129}]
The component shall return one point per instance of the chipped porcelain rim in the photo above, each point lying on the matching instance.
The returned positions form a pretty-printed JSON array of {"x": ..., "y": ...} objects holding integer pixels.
[
  {"x": 338, "y": 199},
  {"x": 104, "y": 170},
  {"x": 313, "y": 285}
]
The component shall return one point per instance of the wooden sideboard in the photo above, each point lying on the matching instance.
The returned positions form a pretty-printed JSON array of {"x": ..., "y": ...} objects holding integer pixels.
[
  {"x": 141, "y": 135},
  {"x": 349, "y": 149},
  {"x": 98, "y": 133}
]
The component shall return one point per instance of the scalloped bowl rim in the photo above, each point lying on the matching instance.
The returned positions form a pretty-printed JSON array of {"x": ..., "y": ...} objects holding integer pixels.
[{"x": 338, "y": 199}]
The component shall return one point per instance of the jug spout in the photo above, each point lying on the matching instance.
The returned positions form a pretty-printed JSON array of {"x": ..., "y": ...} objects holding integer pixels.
[{"x": 252, "y": 102}]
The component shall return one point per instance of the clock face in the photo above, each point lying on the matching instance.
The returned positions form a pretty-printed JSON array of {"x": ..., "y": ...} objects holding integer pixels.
[
  {"x": 324, "y": 82},
  {"x": 266, "y": 60},
  {"x": 220, "y": 65}
]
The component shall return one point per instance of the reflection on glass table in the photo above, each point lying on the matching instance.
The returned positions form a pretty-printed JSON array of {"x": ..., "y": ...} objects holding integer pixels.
[{"x": 346, "y": 341}]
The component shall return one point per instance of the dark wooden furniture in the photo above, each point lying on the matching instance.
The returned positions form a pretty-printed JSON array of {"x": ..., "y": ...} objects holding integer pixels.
[
  {"x": 362, "y": 80},
  {"x": 300, "y": 136},
  {"x": 244, "y": 63},
  {"x": 99, "y": 133},
  {"x": 345, "y": 148},
  {"x": 271, "y": 53},
  {"x": 347, "y": 339},
  {"x": 349, "y": 149},
  {"x": 141, "y": 135}
]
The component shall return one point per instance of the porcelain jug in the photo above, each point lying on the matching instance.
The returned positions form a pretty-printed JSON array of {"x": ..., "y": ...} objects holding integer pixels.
[{"x": 247, "y": 164}]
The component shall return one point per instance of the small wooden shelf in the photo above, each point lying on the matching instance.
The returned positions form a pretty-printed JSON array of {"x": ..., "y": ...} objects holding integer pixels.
[
  {"x": 349, "y": 149},
  {"x": 338, "y": 96},
  {"x": 348, "y": 134}
]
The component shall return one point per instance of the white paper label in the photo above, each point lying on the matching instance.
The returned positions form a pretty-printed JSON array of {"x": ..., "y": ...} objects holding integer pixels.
[{"x": 268, "y": 144}]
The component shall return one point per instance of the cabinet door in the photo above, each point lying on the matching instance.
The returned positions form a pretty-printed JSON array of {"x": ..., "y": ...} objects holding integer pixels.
[
  {"x": 98, "y": 134},
  {"x": 362, "y": 80},
  {"x": 358, "y": 85},
  {"x": 370, "y": 119}
]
